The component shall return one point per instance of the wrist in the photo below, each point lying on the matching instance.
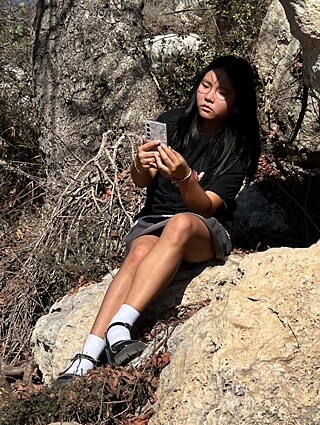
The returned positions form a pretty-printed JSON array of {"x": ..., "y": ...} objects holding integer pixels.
[
  {"x": 187, "y": 177},
  {"x": 135, "y": 165}
]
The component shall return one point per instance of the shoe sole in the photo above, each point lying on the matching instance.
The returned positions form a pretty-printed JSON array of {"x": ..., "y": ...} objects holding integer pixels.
[
  {"x": 65, "y": 379},
  {"x": 129, "y": 353}
]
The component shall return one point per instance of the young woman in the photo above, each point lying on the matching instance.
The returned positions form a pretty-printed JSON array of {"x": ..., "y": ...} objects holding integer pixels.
[{"x": 213, "y": 145}]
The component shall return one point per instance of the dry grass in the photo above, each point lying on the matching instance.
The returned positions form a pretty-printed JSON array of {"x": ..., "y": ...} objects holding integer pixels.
[{"x": 79, "y": 238}]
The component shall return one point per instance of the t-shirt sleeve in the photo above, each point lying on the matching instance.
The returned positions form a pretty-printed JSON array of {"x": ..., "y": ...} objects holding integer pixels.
[
  {"x": 171, "y": 116},
  {"x": 228, "y": 184}
]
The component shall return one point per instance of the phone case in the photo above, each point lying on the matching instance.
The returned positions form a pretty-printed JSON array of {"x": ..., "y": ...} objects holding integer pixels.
[{"x": 156, "y": 130}]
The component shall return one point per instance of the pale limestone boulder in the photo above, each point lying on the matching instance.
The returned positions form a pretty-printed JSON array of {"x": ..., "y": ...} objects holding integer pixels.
[
  {"x": 160, "y": 48},
  {"x": 252, "y": 357},
  {"x": 304, "y": 20},
  {"x": 59, "y": 335},
  {"x": 275, "y": 40},
  {"x": 278, "y": 58}
]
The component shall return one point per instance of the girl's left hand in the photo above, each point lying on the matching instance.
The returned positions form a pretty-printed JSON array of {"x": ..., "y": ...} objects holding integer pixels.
[{"x": 171, "y": 164}]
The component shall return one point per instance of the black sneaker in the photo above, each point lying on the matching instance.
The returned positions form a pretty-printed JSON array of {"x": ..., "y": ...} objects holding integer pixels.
[
  {"x": 66, "y": 377},
  {"x": 123, "y": 352}
]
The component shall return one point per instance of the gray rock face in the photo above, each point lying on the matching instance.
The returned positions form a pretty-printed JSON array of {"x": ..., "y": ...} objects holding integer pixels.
[
  {"x": 255, "y": 212},
  {"x": 159, "y": 48},
  {"x": 252, "y": 357},
  {"x": 279, "y": 60},
  {"x": 89, "y": 75},
  {"x": 304, "y": 20}
]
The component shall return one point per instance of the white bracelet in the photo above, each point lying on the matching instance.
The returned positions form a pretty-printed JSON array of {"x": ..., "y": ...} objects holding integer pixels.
[{"x": 177, "y": 181}]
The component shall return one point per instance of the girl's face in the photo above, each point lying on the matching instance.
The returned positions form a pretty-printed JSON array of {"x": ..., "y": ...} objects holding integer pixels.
[{"x": 216, "y": 100}]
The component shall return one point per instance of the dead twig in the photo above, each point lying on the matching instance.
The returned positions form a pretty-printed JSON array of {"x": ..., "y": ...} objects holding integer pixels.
[{"x": 82, "y": 235}]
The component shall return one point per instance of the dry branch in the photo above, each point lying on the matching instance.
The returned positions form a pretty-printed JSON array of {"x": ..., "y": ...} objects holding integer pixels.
[{"x": 80, "y": 238}]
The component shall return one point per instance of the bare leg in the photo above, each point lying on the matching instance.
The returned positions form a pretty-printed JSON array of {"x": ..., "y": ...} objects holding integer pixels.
[
  {"x": 121, "y": 284},
  {"x": 185, "y": 237},
  {"x": 149, "y": 267},
  {"x": 152, "y": 263}
]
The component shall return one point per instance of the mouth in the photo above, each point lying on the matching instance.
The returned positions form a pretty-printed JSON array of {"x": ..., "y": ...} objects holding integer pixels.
[{"x": 205, "y": 108}]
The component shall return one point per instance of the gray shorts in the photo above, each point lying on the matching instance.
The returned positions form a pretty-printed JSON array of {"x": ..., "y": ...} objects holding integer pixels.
[{"x": 149, "y": 224}]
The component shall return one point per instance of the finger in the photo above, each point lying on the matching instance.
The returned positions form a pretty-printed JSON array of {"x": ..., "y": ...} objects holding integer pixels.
[
  {"x": 149, "y": 162},
  {"x": 160, "y": 164},
  {"x": 176, "y": 158},
  {"x": 166, "y": 155},
  {"x": 146, "y": 151},
  {"x": 163, "y": 167},
  {"x": 147, "y": 156},
  {"x": 150, "y": 146},
  {"x": 172, "y": 154},
  {"x": 154, "y": 157}
]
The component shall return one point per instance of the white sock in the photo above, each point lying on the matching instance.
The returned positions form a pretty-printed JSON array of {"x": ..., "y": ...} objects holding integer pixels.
[
  {"x": 126, "y": 314},
  {"x": 93, "y": 347}
]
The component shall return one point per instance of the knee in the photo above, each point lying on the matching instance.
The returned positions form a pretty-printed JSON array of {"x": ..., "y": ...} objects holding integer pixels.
[
  {"x": 179, "y": 229},
  {"x": 138, "y": 250}
]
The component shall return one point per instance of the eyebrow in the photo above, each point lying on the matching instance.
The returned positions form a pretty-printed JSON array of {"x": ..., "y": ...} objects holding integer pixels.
[{"x": 220, "y": 84}]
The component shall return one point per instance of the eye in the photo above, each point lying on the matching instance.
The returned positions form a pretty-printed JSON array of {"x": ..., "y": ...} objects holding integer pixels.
[
  {"x": 204, "y": 87},
  {"x": 222, "y": 93}
]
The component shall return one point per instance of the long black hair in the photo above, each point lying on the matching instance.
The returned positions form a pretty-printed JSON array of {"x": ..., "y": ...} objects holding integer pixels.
[{"x": 238, "y": 138}]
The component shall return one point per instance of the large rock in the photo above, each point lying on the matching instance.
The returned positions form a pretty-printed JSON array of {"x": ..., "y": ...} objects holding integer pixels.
[
  {"x": 304, "y": 20},
  {"x": 252, "y": 357},
  {"x": 275, "y": 40},
  {"x": 255, "y": 213},
  {"x": 291, "y": 102},
  {"x": 90, "y": 76},
  {"x": 160, "y": 48}
]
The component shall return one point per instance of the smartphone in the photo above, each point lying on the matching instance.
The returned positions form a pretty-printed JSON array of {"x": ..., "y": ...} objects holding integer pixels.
[{"x": 156, "y": 130}]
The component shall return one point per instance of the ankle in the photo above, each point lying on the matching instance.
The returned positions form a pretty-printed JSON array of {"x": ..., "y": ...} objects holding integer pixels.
[
  {"x": 117, "y": 333},
  {"x": 117, "y": 330},
  {"x": 80, "y": 367}
]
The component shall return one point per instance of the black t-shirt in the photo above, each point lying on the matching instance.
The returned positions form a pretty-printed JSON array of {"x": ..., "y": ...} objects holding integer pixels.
[{"x": 164, "y": 198}]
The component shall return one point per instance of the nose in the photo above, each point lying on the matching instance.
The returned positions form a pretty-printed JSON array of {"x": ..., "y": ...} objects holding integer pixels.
[{"x": 210, "y": 96}]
